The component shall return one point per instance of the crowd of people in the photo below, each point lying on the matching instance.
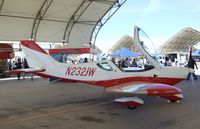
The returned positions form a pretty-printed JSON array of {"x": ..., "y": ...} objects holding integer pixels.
[
  {"x": 129, "y": 62},
  {"x": 81, "y": 60},
  {"x": 139, "y": 62},
  {"x": 18, "y": 64}
]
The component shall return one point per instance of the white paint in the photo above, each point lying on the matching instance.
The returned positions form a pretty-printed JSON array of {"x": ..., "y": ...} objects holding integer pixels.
[{"x": 130, "y": 99}]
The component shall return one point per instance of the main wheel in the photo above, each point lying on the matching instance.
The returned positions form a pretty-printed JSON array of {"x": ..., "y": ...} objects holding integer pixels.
[{"x": 131, "y": 107}]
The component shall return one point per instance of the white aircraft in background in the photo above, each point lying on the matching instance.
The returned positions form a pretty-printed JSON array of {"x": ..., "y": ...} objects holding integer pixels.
[{"x": 153, "y": 80}]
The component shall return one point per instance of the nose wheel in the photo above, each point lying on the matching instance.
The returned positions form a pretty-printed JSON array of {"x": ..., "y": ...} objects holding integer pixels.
[{"x": 131, "y": 107}]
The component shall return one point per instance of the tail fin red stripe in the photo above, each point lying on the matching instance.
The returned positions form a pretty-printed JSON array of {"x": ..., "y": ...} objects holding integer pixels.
[{"x": 32, "y": 45}]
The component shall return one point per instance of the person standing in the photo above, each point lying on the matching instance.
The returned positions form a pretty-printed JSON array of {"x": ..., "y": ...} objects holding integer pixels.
[
  {"x": 125, "y": 63},
  {"x": 167, "y": 61},
  {"x": 25, "y": 64},
  {"x": 134, "y": 63},
  {"x": 85, "y": 60},
  {"x": 18, "y": 66},
  {"x": 113, "y": 60},
  {"x": 191, "y": 64}
]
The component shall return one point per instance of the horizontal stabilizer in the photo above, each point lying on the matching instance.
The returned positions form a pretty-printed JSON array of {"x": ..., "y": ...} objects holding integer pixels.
[{"x": 29, "y": 70}]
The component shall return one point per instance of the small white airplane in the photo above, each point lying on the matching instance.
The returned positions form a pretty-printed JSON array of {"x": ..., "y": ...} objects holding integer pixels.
[{"x": 153, "y": 80}]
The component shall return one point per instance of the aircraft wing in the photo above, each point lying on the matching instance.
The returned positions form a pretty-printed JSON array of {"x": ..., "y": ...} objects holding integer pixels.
[
  {"x": 29, "y": 70},
  {"x": 168, "y": 92}
]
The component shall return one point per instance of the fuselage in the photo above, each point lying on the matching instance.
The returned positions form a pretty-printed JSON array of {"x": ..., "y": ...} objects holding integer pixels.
[{"x": 106, "y": 74}]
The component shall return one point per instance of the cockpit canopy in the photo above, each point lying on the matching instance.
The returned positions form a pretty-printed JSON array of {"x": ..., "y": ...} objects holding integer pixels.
[{"x": 147, "y": 43}]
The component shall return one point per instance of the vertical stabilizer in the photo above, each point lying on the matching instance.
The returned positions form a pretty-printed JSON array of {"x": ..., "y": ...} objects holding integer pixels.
[{"x": 36, "y": 56}]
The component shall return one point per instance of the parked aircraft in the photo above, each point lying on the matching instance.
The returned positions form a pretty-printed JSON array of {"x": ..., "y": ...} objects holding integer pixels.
[{"x": 152, "y": 80}]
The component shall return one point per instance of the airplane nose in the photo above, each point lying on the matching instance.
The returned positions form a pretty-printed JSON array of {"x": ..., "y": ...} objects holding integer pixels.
[
  {"x": 171, "y": 93},
  {"x": 174, "y": 90}
]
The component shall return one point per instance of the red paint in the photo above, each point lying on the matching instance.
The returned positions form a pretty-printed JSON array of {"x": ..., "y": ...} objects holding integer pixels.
[
  {"x": 80, "y": 71},
  {"x": 6, "y": 51},
  {"x": 32, "y": 45},
  {"x": 129, "y": 103},
  {"x": 49, "y": 76},
  {"x": 113, "y": 82},
  {"x": 172, "y": 98},
  {"x": 68, "y": 71},
  {"x": 83, "y": 71},
  {"x": 69, "y": 50},
  {"x": 73, "y": 71},
  {"x": 91, "y": 71},
  {"x": 44, "y": 75},
  {"x": 161, "y": 90}
]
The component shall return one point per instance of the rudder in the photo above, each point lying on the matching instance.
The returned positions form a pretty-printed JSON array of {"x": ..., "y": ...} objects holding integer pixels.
[{"x": 36, "y": 56}]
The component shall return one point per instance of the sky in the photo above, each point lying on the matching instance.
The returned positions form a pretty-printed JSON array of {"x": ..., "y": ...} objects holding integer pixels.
[{"x": 160, "y": 19}]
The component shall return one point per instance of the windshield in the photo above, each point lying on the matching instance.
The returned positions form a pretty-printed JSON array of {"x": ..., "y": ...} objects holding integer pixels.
[
  {"x": 147, "y": 44},
  {"x": 105, "y": 66}
]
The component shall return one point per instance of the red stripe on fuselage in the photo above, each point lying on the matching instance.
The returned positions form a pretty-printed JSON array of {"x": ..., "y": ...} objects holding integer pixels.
[
  {"x": 32, "y": 45},
  {"x": 113, "y": 82}
]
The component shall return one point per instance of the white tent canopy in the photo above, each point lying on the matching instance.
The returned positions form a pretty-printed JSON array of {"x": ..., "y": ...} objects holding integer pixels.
[
  {"x": 60, "y": 21},
  {"x": 181, "y": 41},
  {"x": 125, "y": 41}
]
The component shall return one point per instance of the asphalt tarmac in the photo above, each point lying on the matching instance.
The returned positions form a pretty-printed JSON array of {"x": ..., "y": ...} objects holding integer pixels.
[{"x": 37, "y": 104}]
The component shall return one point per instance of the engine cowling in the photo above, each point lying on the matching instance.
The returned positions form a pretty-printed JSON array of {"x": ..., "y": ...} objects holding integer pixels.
[{"x": 130, "y": 102}]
